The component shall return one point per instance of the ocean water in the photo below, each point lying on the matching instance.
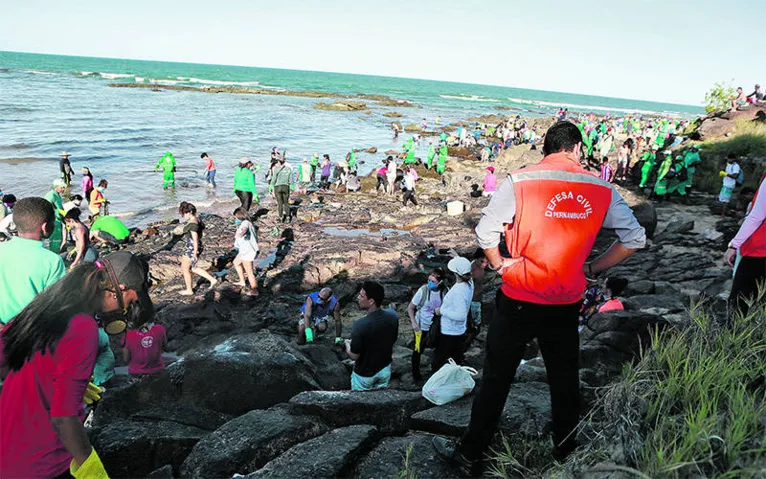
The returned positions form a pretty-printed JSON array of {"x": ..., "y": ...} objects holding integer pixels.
[{"x": 51, "y": 103}]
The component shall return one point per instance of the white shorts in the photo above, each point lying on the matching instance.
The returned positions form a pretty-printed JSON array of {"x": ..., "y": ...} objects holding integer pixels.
[{"x": 248, "y": 256}]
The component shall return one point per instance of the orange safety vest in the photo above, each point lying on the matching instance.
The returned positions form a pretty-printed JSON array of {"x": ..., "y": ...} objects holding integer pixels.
[
  {"x": 755, "y": 245},
  {"x": 560, "y": 208}
]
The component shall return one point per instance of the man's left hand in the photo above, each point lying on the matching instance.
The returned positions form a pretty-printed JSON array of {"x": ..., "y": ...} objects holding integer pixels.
[{"x": 729, "y": 256}]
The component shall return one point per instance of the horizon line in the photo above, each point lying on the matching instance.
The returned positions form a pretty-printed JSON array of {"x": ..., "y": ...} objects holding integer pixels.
[{"x": 351, "y": 73}]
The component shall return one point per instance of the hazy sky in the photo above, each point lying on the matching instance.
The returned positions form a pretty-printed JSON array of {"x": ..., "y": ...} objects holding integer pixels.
[{"x": 651, "y": 50}]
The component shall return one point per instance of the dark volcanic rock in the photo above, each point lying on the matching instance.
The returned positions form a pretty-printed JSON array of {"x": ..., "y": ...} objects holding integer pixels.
[
  {"x": 656, "y": 304},
  {"x": 646, "y": 215},
  {"x": 327, "y": 456},
  {"x": 251, "y": 371},
  {"x": 164, "y": 472},
  {"x": 330, "y": 373},
  {"x": 120, "y": 403},
  {"x": 132, "y": 448},
  {"x": 246, "y": 443},
  {"x": 527, "y": 411},
  {"x": 386, "y": 408},
  {"x": 388, "y": 460},
  {"x": 184, "y": 414}
]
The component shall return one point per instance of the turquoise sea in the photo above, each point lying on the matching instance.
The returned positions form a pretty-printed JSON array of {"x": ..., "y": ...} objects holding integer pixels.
[{"x": 51, "y": 103}]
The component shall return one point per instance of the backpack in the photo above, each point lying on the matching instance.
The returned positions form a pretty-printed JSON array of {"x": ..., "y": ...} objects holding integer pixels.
[{"x": 741, "y": 177}]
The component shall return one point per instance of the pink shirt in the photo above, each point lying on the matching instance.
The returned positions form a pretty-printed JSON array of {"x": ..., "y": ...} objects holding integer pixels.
[
  {"x": 613, "y": 304},
  {"x": 48, "y": 385},
  {"x": 209, "y": 165},
  {"x": 87, "y": 184},
  {"x": 145, "y": 350},
  {"x": 754, "y": 218},
  {"x": 490, "y": 182}
]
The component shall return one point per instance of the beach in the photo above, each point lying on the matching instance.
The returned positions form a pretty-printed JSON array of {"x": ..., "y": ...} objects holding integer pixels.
[{"x": 55, "y": 103}]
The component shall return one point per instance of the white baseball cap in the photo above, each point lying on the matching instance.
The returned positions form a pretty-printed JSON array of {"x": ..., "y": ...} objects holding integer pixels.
[
  {"x": 459, "y": 266},
  {"x": 59, "y": 182}
]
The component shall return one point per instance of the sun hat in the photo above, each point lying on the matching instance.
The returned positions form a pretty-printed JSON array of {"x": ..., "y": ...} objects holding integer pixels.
[
  {"x": 66, "y": 153},
  {"x": 459, "y": 265},
  {"x": 244, "y": 160},
  {"x": 491, "y": 169}
]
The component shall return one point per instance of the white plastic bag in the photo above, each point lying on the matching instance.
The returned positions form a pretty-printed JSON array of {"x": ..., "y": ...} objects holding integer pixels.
[{"x": 449, "y": 383}]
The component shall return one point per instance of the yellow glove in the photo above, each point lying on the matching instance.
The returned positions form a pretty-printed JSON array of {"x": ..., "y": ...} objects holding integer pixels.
[
  {"x": 722, "y": 173},
  {"x": 92, "y": 394},
  {"x": 418, "y": 337},
  {"x": 92, "y": 468}
]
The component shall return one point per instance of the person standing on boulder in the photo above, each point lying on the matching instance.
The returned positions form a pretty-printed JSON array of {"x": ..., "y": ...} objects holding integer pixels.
[
  {"x": 421, "y": 312},
  {"x": 543, "y": 283},
  {"x": 281, "y": 182},
  {"x": 372, "y": 340},
  {"x": 315, "y": 314}
]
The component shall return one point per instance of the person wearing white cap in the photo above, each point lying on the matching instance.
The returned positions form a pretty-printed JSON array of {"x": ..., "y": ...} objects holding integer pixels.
[
  {"x": 454, "y": 315},
  {"x": 57, "y": 240},
  {"x": 66, "y": 168}
]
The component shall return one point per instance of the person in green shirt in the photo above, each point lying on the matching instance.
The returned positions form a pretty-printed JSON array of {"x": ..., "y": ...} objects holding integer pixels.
[
  {"x": 26, "y": 267},
  {"x": 281, "y": 184},
  {"x": 410, "y": 158},
  {"x": 650, "y": 159},
  {"x": 168, "y": 164},
  {"x": 691, "y": 158},
  {"x": 314, "y": 162},
  {"x": 661, "y": 187},
  {"x": 109, "y": 230},
  {"x": 104, "y": 370},
  {"x": 441, "y": 166},
  {"x": 244, "y": 183},
  {"x": 57, "y": 241},
  {"x": 675, "y": 185},
  {"x": 431, "y": 154},
  {"x": 352, "y": 162}
]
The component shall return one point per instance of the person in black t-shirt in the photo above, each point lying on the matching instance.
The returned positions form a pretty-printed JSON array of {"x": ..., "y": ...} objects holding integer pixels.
[{"x": 372, "y": 340}]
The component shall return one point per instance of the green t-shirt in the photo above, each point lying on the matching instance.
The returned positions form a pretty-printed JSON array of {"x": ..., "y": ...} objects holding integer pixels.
[
  {"x": 111, "y": 225},
  {"x": 244, "y": 180},
  {"x": 20, "y": 283},
  {"x": 104, "y": 370},
  {"x": 55, "y": 199}
]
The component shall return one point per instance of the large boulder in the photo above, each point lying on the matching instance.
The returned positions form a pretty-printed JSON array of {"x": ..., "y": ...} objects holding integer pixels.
[
  {"x": 611, "y": 339},
  {"x": 245, "y": 444},
  {"x": 331, "y": 455},
  {"x": 388, "y": 409},
  {"x": 345, "y": 105},
  {"x": 714, "y": 128},
  {"x": 527, "y": 411},
  {"x": 122, "y": 402},
  {"x": 408, "y": 456},
  {"x": 263, "y": 369},
  {"x": 646, "y": 215},
  {"x": 132, "y": 448}
]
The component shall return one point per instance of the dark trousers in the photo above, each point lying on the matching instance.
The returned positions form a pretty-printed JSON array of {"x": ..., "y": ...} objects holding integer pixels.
[
  {"x": 324, "y": 182},
  {"x": 246, "y": 198},
  {"x": 415, "y": 361},
  {"x": 282, "y": 194},
  {"x": 750, "y": 274},
  {"x": 313, "y": 173},
  {"x": 447, "y": 347},
  {"x": 515, "y": 324},
  {"x": 409, "y": 196},
  {"x": 382, "y": 181}
]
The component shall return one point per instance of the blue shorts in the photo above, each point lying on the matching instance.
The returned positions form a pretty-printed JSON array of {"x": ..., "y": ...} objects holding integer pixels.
[{"x": 378, "y": 381}]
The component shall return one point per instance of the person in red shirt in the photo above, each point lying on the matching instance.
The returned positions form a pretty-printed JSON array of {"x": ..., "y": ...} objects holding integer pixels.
[
  {"x": 613, "y": 288},
  {"x": 209, "y": 170},
  {"x": 47, "y": 356},
  {"x": 143, "y": 349}
]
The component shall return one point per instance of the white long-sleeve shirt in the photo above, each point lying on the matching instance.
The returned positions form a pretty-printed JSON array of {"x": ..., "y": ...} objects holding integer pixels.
[{"x": 455, "y": 307}]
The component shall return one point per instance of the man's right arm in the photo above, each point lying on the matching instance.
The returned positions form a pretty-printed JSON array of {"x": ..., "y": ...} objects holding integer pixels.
[{"x": 500, "y": 211}]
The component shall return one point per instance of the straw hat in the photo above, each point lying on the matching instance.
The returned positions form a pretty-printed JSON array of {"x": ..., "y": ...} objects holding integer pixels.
[{"x": 65, "y": 154}]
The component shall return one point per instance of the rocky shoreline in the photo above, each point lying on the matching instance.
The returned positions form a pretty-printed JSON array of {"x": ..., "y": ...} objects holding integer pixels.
[{"x": 244, "y": 398}]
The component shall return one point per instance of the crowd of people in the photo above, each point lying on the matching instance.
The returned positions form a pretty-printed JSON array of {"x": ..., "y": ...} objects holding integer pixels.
[{"x": 55, "y": 347}]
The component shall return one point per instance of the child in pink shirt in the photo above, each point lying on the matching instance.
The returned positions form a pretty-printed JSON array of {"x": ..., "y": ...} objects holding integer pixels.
[
  {"x": 143, "y": 349},
  {"x": 614, "y": 287},
  {"x": 490, "y": 182}
]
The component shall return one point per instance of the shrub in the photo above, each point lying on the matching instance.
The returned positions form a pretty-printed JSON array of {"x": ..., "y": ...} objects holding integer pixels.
[{"x": 719, "y": 97}]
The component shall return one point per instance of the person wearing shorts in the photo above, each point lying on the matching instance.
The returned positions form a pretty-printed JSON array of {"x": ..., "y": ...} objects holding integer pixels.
[
  {"x": 729, "y": 175},
  {"x": 315, "y": 314}
]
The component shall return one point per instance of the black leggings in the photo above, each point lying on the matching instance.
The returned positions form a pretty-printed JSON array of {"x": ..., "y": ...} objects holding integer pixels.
[
  {"x": 409, "y": 196},
  {"x": 750, "y": 274},
  {"x": 382, "y": 181},
  {"x": 416, "y": 357},
  {"x": 246, "y": 198}
]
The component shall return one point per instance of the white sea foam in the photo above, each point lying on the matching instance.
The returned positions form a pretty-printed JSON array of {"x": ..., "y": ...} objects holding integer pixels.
[
  {"x": 519, "y": 100},
  {"x": 218, "y": 82},
  {"x": 555, "y": 105},
  {"x": 114, "y": 76},
  {"x": 140, "y": 79},
  {"x": 469, "y": 98},
  {"x": 37, "y": 72}
]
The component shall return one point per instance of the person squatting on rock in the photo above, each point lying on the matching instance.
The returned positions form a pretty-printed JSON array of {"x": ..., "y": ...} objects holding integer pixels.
[
  {"x": 26, "y": 266},
  {"x": 454, "y": 312},
  {"x": 551, "y": 214},
  {"x": 372, "y": 340},
  {"x": 48, "y": 354},
  {"x": 750, "y": 240},
  {"x": 246, "y": 243},
  {"x": 281, "y": 182},
  {"x": 142, "y": 349},
  {"x": 421, "y": 311},
  {"x": 315, "y": 313}
]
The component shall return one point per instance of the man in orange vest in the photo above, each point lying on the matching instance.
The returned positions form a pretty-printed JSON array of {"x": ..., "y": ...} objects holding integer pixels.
[
  {"x": 751, "y": 243},
  {"x": 550, "y": 214}
]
